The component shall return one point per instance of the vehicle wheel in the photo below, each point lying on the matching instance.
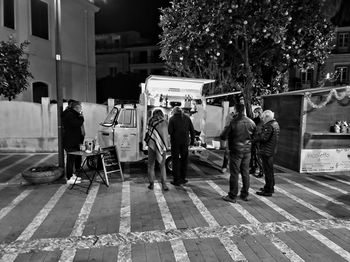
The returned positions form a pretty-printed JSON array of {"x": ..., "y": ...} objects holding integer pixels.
[{"x": 169, "y": 165}]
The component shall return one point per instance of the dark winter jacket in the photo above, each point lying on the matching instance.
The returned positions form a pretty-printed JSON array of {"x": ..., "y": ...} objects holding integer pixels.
[
  {"x": 181, "y": 129},
  {"x": 269, "y": 138},
  {"x": 240, "y": 133},
  {"x": 72, "y": 123}
]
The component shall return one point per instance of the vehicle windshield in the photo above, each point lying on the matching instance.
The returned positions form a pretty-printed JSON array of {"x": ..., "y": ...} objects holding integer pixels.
[{"x": 111, "y": 117}]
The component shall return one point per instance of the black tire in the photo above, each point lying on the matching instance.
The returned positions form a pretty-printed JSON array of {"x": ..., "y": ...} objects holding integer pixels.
[{"x": 169, "y": 165}]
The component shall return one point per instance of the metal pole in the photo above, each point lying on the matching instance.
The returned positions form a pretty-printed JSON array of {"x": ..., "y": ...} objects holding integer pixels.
[{"x": 59, "y": 81}]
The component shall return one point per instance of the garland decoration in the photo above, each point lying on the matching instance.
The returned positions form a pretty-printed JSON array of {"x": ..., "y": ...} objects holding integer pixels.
[{"x": 332, "y": 93}]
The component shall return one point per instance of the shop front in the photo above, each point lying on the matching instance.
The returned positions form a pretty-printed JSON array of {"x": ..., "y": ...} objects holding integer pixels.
[{"x": 315, "y": 135}]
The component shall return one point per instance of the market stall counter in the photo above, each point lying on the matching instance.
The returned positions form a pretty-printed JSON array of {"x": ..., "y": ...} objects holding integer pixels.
[{"x": 315, "y": 136}]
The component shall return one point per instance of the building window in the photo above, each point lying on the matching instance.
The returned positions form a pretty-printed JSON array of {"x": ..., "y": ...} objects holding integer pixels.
[
  {"x": 113, "y": 71},
  {"x": 40, "y": 19},
  {"x": 343, "y": 40},
  {"x": 9, "y": 13},
  {"x": 306, "y": 76},
  {"x": 40, "y": 90},
  {"x": 343, "y": 74}
]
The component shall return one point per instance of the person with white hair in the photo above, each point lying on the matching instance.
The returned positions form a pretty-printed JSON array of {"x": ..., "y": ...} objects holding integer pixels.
[{"x": 268, "y": 140}]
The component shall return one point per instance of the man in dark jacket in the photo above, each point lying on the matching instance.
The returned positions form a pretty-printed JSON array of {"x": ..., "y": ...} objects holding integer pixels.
[
  {"x": 72, "y": 121},
  {"x": 240, "y": 133},
  {"x": 181, "y": 131},
  {"x": 255, "y": 161},
  {"x": 268, "y": 146}
]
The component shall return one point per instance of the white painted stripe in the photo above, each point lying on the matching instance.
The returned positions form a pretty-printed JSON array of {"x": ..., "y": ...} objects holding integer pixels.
[
  {"x": 124, "y": 226},
  {"x": 4, "y": 211},
  {"x": 15, "y": 163},
  {"x": 251, "y": 219},
  {"x": 330, "y": 199},
  {"x": 330, "y": 244},
  {"x": 36, "y": 222},
  {"x": 229, "y": 245},
  {"x": 287, "y": 251},
  {"x": 201, "y": 208},
  {"x": 327, "y": 185},
  {"x": 301, "y": 202},
  {"x": 124, "y": 251},
  {"x": 18, "y": 177},
  {"x": 5, "y": 157},
  {"x": 179, "y": 250},
  {"x": 40, "y": 217},
  {"x": 68, "y": 254},
  {"x": 305, "y": 204},
  {"x": 338, "y": 179},
  {"x": 278, "y": 243},
  {"x": 168, "y": 220},
  {"x": 177, "y": 245}
]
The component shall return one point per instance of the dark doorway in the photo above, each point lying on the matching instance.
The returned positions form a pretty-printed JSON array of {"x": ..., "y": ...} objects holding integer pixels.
[{"x": 40, "y": 90}]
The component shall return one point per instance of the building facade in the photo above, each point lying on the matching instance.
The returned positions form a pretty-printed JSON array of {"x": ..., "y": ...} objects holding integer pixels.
[
  {"x": 126, "y": 52},
  {"x": 35, "y": 20}
]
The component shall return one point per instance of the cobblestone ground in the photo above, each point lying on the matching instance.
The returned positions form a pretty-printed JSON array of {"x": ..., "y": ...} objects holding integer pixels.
[{"x": 307, "y": 219}]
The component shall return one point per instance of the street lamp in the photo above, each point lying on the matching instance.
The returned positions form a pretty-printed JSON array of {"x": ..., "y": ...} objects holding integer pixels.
[{"x": 58, "y": 53}]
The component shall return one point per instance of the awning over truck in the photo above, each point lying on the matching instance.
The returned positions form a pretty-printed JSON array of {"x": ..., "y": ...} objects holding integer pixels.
[{"x": 175, "y": 86}]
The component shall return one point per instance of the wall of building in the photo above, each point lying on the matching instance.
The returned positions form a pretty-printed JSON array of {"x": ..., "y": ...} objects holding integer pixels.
[
  {"x": 78, "y": 48},
  {"x": 32, "y": 127}
]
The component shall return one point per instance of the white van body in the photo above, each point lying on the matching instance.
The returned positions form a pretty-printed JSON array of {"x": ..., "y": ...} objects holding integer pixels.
[{"x": 125, "y": 126}]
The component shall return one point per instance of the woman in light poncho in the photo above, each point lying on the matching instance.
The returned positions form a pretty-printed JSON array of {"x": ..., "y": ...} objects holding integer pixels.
[{"x": 158, "y": 143}]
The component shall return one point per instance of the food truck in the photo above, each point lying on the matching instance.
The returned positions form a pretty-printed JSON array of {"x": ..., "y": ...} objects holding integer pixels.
[
  {"x": 310, "y": 140},
  {"x": 125, "y": 126}
]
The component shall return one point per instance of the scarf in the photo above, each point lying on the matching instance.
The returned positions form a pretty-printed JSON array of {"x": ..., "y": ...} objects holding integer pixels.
[{"x": 154, "y": 138}]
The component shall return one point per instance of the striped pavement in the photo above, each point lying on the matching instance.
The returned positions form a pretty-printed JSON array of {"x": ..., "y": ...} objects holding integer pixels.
[{"x": 307, "y": 219}]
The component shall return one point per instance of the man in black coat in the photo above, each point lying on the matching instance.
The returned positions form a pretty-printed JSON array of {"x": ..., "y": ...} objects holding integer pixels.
[
  {"x": 268, "y": 146},
  {"x": 240, "y": 133},
  {"x": 73, "y": 136},
  {"x": 180, "y": 129}
]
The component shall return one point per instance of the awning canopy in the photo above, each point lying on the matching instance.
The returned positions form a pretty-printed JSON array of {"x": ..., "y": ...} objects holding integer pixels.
[{"x": 175, "y": 86}]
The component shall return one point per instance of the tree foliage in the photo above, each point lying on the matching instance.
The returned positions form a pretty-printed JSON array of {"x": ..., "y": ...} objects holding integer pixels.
[
  {"x": 14, "y": 66},
  {"x": 246, "y": 45}
]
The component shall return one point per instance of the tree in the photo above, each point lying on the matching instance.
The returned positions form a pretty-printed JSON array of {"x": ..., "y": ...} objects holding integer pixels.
[
  {"x": 14, "y": 66},
  {"x": 246, "y": 45}
]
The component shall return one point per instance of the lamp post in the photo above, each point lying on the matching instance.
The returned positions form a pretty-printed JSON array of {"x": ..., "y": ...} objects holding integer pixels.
[{"x": 59, "y": 81}]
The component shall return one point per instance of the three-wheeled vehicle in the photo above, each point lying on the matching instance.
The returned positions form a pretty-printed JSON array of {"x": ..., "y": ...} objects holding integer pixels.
[{"x": 125, "y": 126}]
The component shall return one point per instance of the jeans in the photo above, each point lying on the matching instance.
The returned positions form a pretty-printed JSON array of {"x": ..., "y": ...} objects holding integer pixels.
[
  {"x": 267, "y": 163},
  {"x": 72, "y": 161},
  {"x": 239, "y": 163},
  {"x": 179, "y": 154},
  {"x": 151, "y": 164}
]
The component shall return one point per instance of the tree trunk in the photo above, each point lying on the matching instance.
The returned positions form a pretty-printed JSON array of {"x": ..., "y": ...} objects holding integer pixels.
[{"x": 247, "y": 91}]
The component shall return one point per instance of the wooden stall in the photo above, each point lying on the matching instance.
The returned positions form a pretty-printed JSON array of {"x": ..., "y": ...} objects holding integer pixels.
[{"x": 308, "y": 140}]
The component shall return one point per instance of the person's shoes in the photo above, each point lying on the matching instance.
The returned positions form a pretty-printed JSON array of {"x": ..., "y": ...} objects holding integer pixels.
[
  {"x": 165, "y": 187},
  {"x": 74, "y": 176},
  {"x": 262, "y": 189},
  {"x": 151, "y": 186},
  {"x": 183, "y": 181},
  {"x": 72, "y": 180},
  {"x": 244, "y": 198},
  {"x": 224, "y": 170},
  {"x": 229, "y": 199},
  {"x": 174, "y": 183},
  {"x": 263, "y": 193}
]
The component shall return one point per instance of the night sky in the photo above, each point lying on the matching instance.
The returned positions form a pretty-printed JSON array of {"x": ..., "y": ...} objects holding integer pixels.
[{"x": 126, "y": 15}]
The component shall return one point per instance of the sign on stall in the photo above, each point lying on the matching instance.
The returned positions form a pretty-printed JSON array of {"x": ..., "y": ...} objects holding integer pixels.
[{"x": 325, "y": 160}]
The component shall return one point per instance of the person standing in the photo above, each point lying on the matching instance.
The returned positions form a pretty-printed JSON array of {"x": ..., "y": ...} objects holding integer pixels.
[
  {"x": 229, "y": 118},
  {"x": 268, "y": 140},
  {"x": 240, "y": 133},
  {"x": 181, "y": 136},
  {"x": 255, "y": 161},
  {"x": 157, "y": 141},
  {"x": 73, "y": 136}
]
